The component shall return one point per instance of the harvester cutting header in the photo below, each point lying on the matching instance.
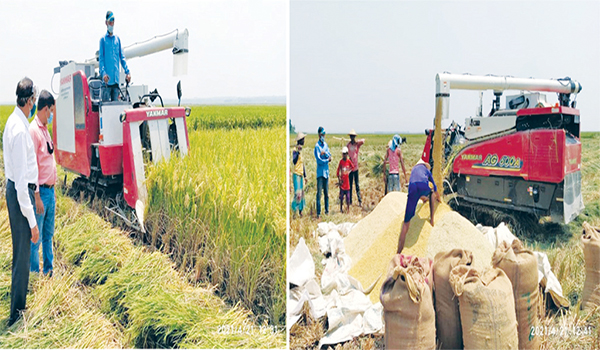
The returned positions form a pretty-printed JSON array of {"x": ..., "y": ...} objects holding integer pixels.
[
  {"x": 525, "y": 157},
  {"x": 108, "y": 143}
]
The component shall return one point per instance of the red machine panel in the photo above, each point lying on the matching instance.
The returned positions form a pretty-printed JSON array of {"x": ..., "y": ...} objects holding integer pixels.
[
  {"x": 504, "y": 156},
  {"x": 111, "y": 158},
  {"x": 86, "y": 128},
  {"x": 547, "y": 110},
  {"x": 535, "y": 155}
]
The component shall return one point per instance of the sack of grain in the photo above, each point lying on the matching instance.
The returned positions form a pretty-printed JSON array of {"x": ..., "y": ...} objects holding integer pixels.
[
  {"x": 487, "y": 308},
  {"x": 447, "y": 313},
  {"x": 591, "y": 251},
  {"x": 520, "y": 266},
  {"x": 408, "y": 304}
]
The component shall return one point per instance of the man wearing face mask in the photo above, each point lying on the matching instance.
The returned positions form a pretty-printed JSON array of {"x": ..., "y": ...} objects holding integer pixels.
[
  {"x": 110, "y": 55},
  {"x": 45, "y": 201},
  {"x": 323, "y": 157},
  {"x": 20, "y": 168}
]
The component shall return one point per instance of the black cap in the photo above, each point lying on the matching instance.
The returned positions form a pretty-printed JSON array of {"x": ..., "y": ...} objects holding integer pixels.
[{"x": 321, "y": 130}]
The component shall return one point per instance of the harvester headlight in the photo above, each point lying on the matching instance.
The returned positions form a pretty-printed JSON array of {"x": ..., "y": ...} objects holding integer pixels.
[{"x": 188, "y": 111}]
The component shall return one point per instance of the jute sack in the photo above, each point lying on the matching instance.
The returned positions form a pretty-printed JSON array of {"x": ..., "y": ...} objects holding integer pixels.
[
  {"x": 520, "y": 266},
  {"x": 590, "y": 297},
  {"x": 408, "y": 304},
  {"x": 447, "y": 313},
  {"x": 487, "y": 308}
]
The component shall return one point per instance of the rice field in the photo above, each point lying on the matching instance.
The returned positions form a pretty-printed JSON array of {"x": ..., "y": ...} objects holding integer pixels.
[
  {"x": 562, "y": 245},
  {"x": 236, "y": 117},
  {"x": 220, "y": 213}
]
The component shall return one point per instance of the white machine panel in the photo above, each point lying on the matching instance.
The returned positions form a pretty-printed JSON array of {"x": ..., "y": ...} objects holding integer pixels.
[
  {"x": 181, "y": 136},
  {"x": 477, "y": 127},
  {"x": 136, "y": 92},
  {"x": 159, "y": 139},
  {"x": 111, "y": 127},
  {"x": 530, "y": 100},
  {"x": 65, "y": 115}
]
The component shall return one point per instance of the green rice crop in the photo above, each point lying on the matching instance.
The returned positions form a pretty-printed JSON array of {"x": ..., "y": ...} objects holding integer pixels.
[
  {"x": 233, "y": 117},
  {"x": 220, "y": 212}
]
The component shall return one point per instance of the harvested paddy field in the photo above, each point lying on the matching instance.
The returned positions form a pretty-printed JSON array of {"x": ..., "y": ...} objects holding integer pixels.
[{"x": 561, "y": 243}]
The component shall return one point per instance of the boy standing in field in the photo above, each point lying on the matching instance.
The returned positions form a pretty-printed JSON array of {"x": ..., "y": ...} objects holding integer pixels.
[{"x": 343, "y": 175}]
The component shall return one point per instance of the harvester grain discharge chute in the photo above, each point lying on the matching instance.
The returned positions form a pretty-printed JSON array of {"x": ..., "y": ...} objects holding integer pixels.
[
  {"x": 110, "y": 144},
  {"x": 525, "y": 158}
]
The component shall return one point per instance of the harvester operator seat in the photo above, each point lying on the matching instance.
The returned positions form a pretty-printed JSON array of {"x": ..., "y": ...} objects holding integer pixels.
[{"x": 95, "y": 86}]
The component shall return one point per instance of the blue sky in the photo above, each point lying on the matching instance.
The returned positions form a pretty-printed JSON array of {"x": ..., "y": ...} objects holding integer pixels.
[
  {"x": 371, "y": 65},
  {"x": 237, "y": 48}
]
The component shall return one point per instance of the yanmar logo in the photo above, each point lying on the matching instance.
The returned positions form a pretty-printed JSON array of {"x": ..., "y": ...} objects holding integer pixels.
[{"x": 160, "y": 113}]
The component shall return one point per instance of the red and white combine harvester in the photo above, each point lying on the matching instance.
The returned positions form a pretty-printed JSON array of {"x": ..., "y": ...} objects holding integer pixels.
[
  {"x": 108, "y": 143},
  {"x": 524, "y": 158}
]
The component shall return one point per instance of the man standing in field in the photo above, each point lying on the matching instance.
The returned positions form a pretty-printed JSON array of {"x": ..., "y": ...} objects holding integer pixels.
[
  {"x": 299, "y": 175},
  {"x": 20, "y": 168},
  {"x": 420, "y": 187},
  {"x": 45, "y": 201},
  {"x": 343, "y": 174},
  {"x": 323, "y": 157},
  {"x": 394, "y": 157},
  {"x": 109, "y": 57},
  {"x": 353, "y": 147}
]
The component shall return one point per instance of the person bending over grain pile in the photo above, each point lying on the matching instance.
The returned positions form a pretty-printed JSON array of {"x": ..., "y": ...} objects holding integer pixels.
[{"x": 418, "y": 188}]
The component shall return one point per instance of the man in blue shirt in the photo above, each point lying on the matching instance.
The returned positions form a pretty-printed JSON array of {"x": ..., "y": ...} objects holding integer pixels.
[
  {"x": 110, "y": 55},
  {"x": 418, "y": 188},
  {"x": 323, "y": 157}
]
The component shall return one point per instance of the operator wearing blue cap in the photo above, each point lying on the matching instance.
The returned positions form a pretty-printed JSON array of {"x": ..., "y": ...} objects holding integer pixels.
[{"x": 110, "y": 55}]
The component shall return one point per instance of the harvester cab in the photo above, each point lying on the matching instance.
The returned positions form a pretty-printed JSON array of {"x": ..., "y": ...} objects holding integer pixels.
[
  {"x": 525, "y": 157},
  {"x": 109, "y": 144}
]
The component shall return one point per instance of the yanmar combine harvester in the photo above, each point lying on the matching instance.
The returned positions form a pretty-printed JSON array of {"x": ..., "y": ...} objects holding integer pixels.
[
  {"x": 524, "y": 158},
  {"x": 108, "y": 143}
]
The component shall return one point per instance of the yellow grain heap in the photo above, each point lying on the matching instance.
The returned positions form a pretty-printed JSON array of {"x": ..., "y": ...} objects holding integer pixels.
[{"x": 374, "y": 240}]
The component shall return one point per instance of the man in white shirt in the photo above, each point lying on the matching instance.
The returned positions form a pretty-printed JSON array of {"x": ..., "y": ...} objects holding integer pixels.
[{"x": 20, "y": 168}]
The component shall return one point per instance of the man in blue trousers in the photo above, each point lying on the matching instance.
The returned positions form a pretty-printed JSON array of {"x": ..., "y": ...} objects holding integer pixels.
[{"x": 323, "y": 157}]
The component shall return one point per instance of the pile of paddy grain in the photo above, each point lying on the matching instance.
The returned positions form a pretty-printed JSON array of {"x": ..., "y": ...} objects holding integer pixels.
[{"x": 374, "y": 240}]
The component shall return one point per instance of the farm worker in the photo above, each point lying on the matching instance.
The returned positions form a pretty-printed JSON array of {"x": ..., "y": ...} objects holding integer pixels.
[
  {"x": 45, "y": 201},
  {"x": 419, "y": 188},
  {"x": 394, "y": 157},
  {"x": 20, "y": 168},
  {"x": 323, "y": 157},
  {"x": 299, "y": 174},
  {"x": 343, "y": 174},
  {"x": 384, "y": 171},
  {"x": 110, "y": 55},
  {"x": 353, "y": 147}
]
